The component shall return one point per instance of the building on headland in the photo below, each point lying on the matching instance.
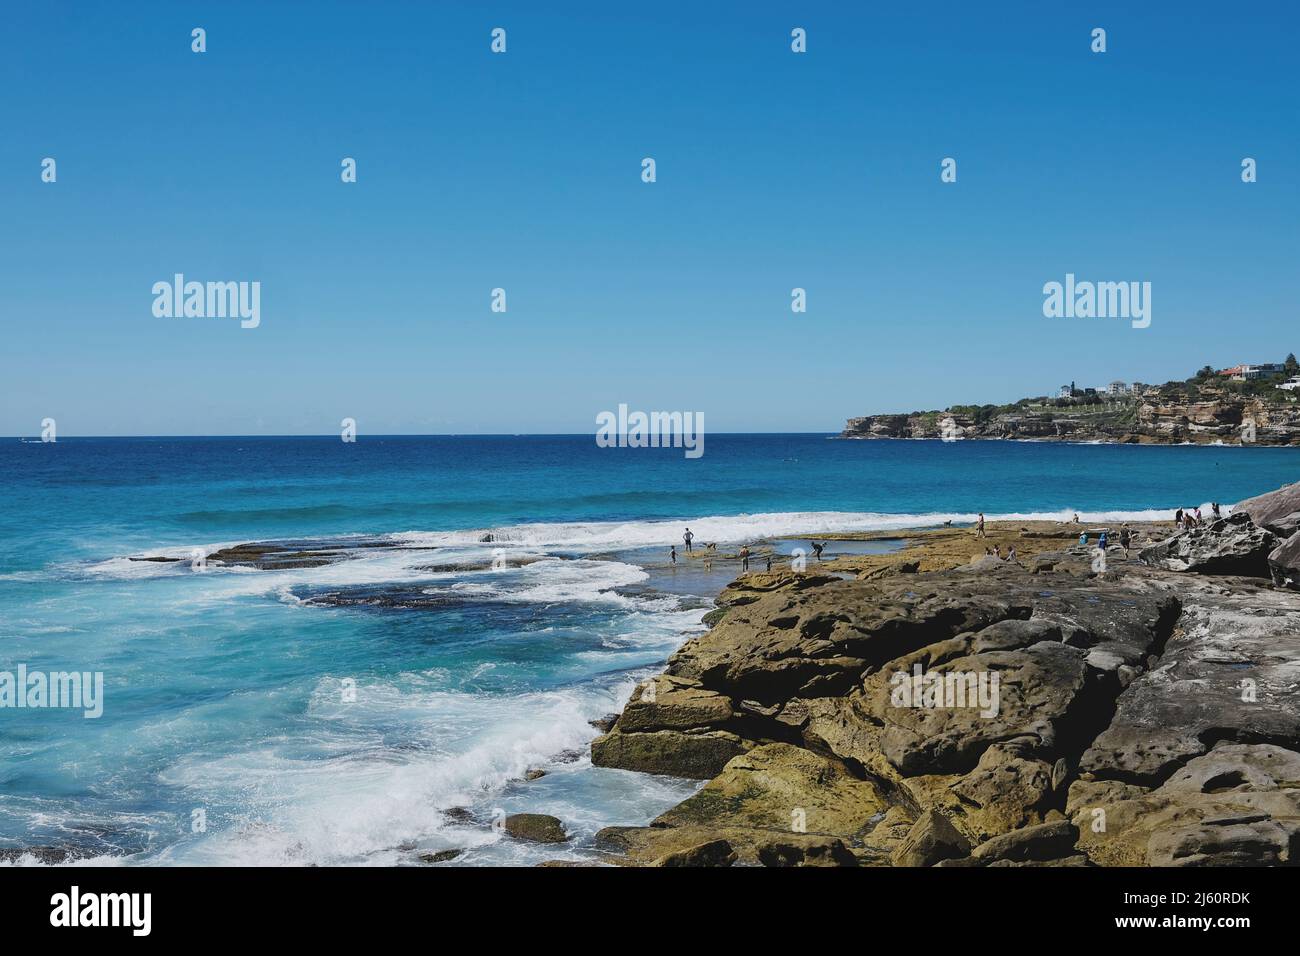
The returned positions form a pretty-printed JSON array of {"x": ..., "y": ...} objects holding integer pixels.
[
  {"x": 1114, "y": 389},
  {"x": 1249, "y": 373}
]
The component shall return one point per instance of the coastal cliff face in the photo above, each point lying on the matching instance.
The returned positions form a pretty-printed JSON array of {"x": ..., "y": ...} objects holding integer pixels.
[
  {"x": 989, "y": 714},
  {"x": 1138, "y": 422}
]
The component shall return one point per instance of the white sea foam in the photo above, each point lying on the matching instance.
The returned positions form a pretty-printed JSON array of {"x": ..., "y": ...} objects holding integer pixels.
[
  {"x": 555, "y": 581},
  {"x": 404, "y": 562},
  {"x": 546, "y": 580},
  {"x": 610, "y": 536},
  {"x": 355, "y": 800}
]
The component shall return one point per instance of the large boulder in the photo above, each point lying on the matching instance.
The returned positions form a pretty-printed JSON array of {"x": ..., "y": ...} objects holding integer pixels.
[
  {"x": 931, "y": 839},
  {"x": 1044, "y": 841},
  {"x": 1284, "y": 563},
  {"x": 1231, "y": 545},
  {"x": 670, "y": 703},
  {"x": 777, "y": 805},
  {"x": 1242, "y": 839},
  {"x": 669, "y": 752},
  {"x": 536, "y": 827},
  {"x": 673, "y": 726},
  {"x": 708, "y": 853},
  {"x": 786, "y": 788},
  {"x": 707, "y": 846},
  {"x": 1278, "y": 511},
  {"x": 1010, "y": 787},
  {"x": 1007, "y": 694}
]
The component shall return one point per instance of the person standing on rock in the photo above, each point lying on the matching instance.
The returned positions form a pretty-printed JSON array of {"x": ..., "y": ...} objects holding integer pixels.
[
  {"x": 817, "y": 549},
  {"x": 979, "y": 527},
  {"x": 744, "y": 557},
  {"x": 1178, "y": 519},
  {"x": 688, "y": 538},
  {"x": 672, "y": 553},
  {"x": 1125, "y": 539}
]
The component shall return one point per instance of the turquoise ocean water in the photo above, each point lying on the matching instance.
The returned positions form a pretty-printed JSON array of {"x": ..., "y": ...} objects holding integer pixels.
[{"x": 229, "y": 691}]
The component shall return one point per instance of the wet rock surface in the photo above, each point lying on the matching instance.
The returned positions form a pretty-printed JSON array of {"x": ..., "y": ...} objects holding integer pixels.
[
  {"x": 441, "y": 856},
  {"x": 535, "y": 827},
  {"x": 284, "y": 555},
  {"x": 289, "y": 555}
]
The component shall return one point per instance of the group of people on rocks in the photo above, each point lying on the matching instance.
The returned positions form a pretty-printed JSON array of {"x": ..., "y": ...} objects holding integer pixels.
[
  {"x": 996, "y": 552},
  {"x": 1184, "y": 519},
  {"x": 688, "y": 537},
  {"x": 1126, "y": 538},
  {"x": 1187, "y": 518}
]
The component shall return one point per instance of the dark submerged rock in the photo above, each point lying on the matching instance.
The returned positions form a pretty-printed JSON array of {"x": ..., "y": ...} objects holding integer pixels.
[{"x": 536, "y": 828}]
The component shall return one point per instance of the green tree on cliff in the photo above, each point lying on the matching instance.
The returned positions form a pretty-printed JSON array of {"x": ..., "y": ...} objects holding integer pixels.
[{"x": 1291, "y": 365}]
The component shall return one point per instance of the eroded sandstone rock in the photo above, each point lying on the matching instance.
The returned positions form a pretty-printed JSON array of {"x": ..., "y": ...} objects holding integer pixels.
[
  {"x": 1239, "y": 804},
  {"x": 1143, "y": 717},
  {"x": 671, "y": 752},
  {"x": 1044, "y": 841},
  {"x": 931, "y": 839},
  {"x": 1231, "y": 545},
  {"x": 783, "y": 788},
  {"x": 1284, "y": 563},
  {"x": 676, "y": 846},
  {"x": 1278, "y": 511},
  {"x": 1228, "y": 673}
]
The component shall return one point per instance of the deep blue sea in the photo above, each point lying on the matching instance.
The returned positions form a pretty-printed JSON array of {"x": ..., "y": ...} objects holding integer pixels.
[{"x": 246, "y": 722}]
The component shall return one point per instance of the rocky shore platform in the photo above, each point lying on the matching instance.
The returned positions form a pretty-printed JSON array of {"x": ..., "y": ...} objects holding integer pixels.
[{"x": 940, "y": 706}]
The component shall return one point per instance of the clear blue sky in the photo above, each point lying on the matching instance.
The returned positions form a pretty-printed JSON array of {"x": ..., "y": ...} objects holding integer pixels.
[{"x": 522, "y": 171}]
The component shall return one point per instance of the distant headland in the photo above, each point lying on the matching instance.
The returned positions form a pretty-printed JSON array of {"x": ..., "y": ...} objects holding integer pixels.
[{"x": 1244, "y": 404}]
